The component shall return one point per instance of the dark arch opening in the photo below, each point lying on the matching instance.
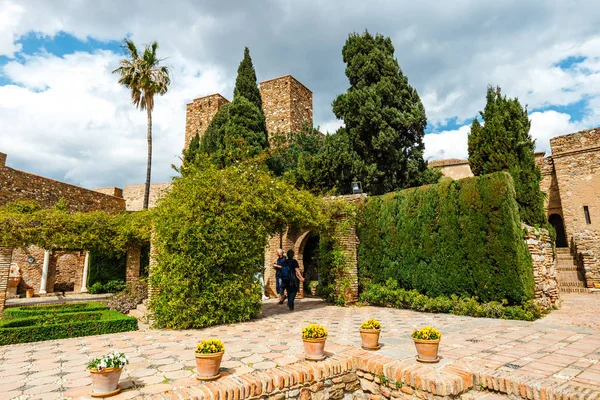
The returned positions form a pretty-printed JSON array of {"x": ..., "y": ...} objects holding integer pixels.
[
  {"x": 309, "y": 258},
  {"x": 557, "y": 222}
]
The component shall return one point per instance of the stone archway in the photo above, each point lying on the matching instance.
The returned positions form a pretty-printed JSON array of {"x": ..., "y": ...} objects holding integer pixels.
[{"x": 561, "y": 237}]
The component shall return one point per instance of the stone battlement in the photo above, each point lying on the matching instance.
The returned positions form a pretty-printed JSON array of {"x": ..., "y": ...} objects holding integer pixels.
[
  {"x": 287, "y": 105},
  {"x": 19, "y": 185},
  {"x": 578, "y": 141}
]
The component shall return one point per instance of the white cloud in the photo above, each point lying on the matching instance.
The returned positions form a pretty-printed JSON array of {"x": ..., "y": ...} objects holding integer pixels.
[
  {"x": 67, "y": 118},
  {"x": 447, "y": 144},
  {"x": 330, "y": 126}
]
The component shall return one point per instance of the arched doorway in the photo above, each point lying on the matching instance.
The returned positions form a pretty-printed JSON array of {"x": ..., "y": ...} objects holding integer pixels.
[
  {"x": 557, "y": 222},
  {"x": 310, "y": 258}
]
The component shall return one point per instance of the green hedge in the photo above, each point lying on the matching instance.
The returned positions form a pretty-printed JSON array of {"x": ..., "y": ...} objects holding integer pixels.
[
  {"x": 389, "y": 295},
  {"x": 456, "y": 237},
  {"x": 64, "y": 325},
  {"x": 30, "y": 311}
]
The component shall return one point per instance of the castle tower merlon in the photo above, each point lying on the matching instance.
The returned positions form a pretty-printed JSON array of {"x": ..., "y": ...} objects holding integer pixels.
[{"x": 199, "y": 113}]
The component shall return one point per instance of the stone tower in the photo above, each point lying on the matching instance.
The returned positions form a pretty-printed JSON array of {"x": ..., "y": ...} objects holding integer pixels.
[
  {"x": 199, "y": 113},
  {"x": 287, "y": 105}
]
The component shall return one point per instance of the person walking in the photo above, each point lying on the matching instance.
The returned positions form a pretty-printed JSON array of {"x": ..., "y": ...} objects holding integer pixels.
[
  {"x": 278, "y": 285},
  {"x": 291, "y": 278}
]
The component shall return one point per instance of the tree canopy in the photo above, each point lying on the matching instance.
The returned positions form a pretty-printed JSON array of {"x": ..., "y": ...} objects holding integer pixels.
[
  {"x": 383, "y": 116},
  {"x": 503, "y": 143}
]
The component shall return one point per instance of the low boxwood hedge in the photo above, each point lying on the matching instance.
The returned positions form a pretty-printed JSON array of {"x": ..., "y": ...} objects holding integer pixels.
[
  {"x": 64, "y": 325},
  {"x": 31, "y": 311}
]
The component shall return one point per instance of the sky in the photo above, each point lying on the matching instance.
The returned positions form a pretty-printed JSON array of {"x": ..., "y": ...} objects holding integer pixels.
[{"x": 64, "y": 116}]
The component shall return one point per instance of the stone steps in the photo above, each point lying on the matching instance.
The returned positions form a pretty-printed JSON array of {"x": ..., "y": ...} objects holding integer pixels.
[
  {"x": 572, "y": 267},
  {"x": 566, "y": 276},
  {"x": 574, "y": 290},
  {"x": 141, "y": 313},
  {"x": 571, "y": 283}
]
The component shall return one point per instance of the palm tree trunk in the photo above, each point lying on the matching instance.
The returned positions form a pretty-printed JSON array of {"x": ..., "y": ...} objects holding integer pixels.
[{"x": 149, "y": 166}]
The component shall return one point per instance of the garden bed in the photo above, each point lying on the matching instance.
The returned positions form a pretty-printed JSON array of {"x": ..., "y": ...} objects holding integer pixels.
[
  {"x": 31, "y": 311},
  {"x": 61, "y": 325}
]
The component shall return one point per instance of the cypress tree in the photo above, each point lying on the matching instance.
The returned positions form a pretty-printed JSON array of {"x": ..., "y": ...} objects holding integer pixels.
[
  {"x": 212, "y": 140},
  {"x": 383, "y": 115},
  {"x": 242, "y": 134},
  {"x": 245, "y": 83},
  {"x": 503, "y": 143}
]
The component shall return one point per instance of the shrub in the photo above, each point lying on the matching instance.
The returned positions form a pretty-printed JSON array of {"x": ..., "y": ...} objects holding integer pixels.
[
  {"x": 427, "y": 333},
  {"x": 128, "y": 299},
  {"x": 211, "y": 231},
  {"x": 113, "y": 286},
  {"x": 314, "y": 331},
  {"x": 65, "y": 325},
  {"x": 456, "y": 237},
  {"x": 390, "y": 295},
  {"x": 106, "y": 267},
  {"x": 371, "y": 323},
  {"x": 210, "y": 346},
  {"x": 31, "y": 311}
]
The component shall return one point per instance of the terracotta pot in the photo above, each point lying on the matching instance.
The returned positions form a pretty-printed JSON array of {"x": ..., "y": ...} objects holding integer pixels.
[
  {"x": 370, "y": 338},
  {"x": 427, "y": 350},
  {"x": 314, "y": 349},
  {"x": 106, "y": 382},
  {"x": 29, "y": 293},
  {"x": 208, "y": 365}
]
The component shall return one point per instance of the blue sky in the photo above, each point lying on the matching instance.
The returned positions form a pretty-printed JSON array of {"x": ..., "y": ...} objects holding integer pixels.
[{"x": 64, "y": 116}]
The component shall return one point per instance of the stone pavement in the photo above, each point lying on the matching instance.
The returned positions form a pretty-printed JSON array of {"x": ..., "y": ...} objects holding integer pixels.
[{"x": 562, "y": 348}]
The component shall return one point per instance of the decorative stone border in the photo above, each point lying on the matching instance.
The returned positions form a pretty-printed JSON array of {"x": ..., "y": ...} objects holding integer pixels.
[{"x": 361, "y": 375}]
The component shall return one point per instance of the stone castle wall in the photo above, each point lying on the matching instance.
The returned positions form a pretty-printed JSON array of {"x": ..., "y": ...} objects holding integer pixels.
[
  {"x": 287, "y": 105},
  {"x": 576, "y": 159},
  {"x": 19, "y": 185},
  {"x": 452, "y": 168},
  {"x": 199, "y": 113},
  {"x": 134, "y": 195},
  {"x": 545, "y": 274}
]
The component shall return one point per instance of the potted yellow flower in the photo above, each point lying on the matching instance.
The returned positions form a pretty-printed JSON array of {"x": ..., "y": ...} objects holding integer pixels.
[
  {"x": 427, "y": 342},
  {"x": 209, "y": 354},
  {"x": 369, "y": 334},
  {"x": 314, "y": 337},
  {"x": 105, "y": 372}
]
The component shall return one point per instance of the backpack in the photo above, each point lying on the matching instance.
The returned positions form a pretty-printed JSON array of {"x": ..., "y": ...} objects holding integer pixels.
[{"x": 286, "y": 270}]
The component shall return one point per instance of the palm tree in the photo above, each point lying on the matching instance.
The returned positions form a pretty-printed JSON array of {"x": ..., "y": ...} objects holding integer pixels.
[{"x": 145, "y": 78}]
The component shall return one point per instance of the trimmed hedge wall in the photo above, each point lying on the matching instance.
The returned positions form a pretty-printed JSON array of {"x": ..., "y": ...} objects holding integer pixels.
[
  {"x": 456, "y": 237},
  {"x": 31, "y": 311},
  {"x": 64, "y": 325}
]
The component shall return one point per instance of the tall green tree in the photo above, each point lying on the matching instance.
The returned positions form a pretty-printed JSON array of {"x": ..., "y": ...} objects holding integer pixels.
[
  {"x": 223, "y": 134},
  {"x": 383, "y": 115},
  {"x": 503, "y": 143},
  {"x": 144, "y": 77}
]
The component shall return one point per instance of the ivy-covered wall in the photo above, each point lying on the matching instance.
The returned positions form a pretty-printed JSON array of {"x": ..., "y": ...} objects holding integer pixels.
[{"x": 456, "y": 237}]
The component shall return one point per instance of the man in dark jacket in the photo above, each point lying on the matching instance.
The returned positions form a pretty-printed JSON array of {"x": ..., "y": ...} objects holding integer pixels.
[{"x": 291, "y": 278}]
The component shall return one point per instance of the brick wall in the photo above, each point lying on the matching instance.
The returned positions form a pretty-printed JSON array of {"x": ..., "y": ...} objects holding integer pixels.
[
  {"x": 452, "y": 168},
  {"x": 199, "y": 113},
  {"x": 576, "y": 160},
  {"x": 19, "y": 185},
  {"x": 545, "y": 273},
  {"x": 134, "y": 195},
  {"x": 132, "y": 269},
  {"x": 31, "y": 273},
  {"x": 549, "y": 185},
  {"x": 287, "y": 105},
  {"x": 66, "y": 271},
  {"x": 111, "y": 191},
  {"x": 5, "y": 260}
]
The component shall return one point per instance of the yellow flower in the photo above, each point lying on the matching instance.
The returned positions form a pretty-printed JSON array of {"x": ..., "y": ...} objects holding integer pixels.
[{"x": 371, "y": 324}]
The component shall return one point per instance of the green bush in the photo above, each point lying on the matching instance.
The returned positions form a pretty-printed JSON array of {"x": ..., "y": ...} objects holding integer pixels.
[
  {"x": 113, "y": 286},
  {"x": 63, "y": 325},
  {"x": 390, "y": 295},
  {"x": 31, "y": 311},
  {"x": 129, "y": 298},
  {"x": 456, "y": 237},
  {"x": 211, "y": 231}
]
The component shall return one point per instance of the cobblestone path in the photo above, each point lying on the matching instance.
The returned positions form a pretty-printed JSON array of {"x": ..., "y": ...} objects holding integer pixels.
[{"x": 561, "y": 347}]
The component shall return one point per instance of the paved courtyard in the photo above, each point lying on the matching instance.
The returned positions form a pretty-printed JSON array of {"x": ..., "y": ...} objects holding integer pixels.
[{"x": 563, "y": 347}]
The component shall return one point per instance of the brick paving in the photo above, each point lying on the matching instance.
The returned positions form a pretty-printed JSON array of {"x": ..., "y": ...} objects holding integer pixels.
[{"x": 562, "y": 348}]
